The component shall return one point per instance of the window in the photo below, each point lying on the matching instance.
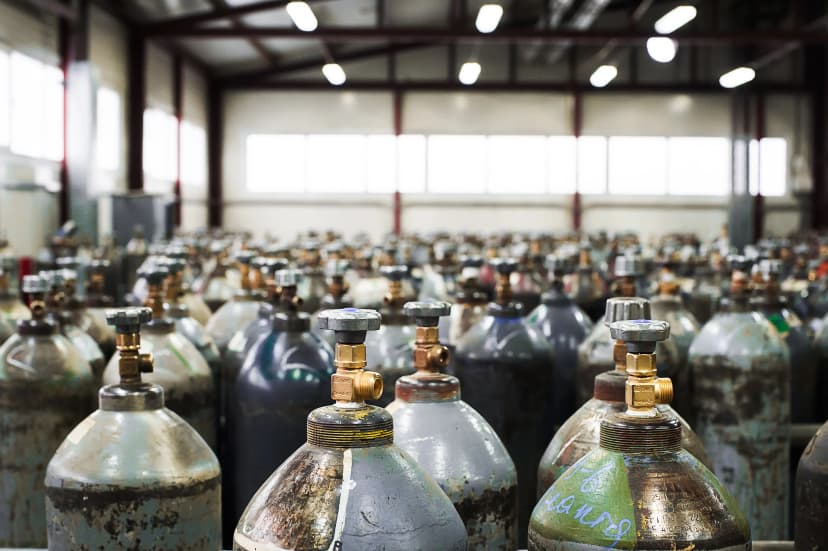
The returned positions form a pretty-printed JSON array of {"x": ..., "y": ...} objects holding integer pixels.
[
  {"x": 516, "y": 164},
  {"x": 637, "y": 165},
  {"x": 561, "y": 162},
  {"x": 108, "y": 130},
  {"x": 336, "y": 163},
  {"x": 698, "y": 166},
  {"x": 411, "y": 164},
  {"x": 36, "y": 108},
  {"x": 193, "y": 155},
  {"x": 592, "y": 164},
  {"x": 380, "y": 163},
  {"x": 5, "y": 99},
  {"x": 275, "y": 163},
  {"x": 160, "y": 147},
  {"x": 456, "y": 164},
  {"x": 773, "y": 166}
]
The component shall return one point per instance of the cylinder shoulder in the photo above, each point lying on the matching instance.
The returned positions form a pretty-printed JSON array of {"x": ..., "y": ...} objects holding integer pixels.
[{"x": 134, "y": 450}]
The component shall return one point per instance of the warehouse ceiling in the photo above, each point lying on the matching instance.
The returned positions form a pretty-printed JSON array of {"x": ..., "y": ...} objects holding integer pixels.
[{"x": 256, "y": 39}]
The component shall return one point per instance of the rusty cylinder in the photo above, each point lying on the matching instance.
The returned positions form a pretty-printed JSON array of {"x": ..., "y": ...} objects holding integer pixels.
[
  {"x": 350, "y": 486},
  {"x": 46, "y": 388},
  {"x": 432, "y": 423},
  {"x": 742, "y": 376},
  {"x": 639, "y": 490},
  {"x": 133, "y": 475}
]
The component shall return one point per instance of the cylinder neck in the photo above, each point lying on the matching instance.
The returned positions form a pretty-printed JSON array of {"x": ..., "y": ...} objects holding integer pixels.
[
  {"x": 624, "y": 434},
  {"x": 428, "y": 383}
]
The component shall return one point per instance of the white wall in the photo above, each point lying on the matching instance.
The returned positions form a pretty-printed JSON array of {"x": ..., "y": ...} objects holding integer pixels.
[
  {"x": 194, "y": 107},
  {"x": 491, "y": 113}
]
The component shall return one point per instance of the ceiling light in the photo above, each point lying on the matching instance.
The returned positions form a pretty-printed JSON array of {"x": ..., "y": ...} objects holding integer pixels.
[
  {"x": 334, "y": 73},
  {"x": 603, "y": 75},
  {"x": 469, "y": 72},
  {"x": 675, "y": 19},
  {"x": 302, "y": 16},
  {"x": 488, "y": 17},
  {"x": 661, "y": 49},
  {"x": 737, "y": 77}
]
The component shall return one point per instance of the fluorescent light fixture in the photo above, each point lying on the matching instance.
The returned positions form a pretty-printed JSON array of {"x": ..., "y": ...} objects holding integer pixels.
[
  {"x": 469, "y": 72},
  {"x": 661, "y": 49},
  {"x": 675, "y": 19},
  {"x": 334, "y": 73},
  {"x": 603, "y": 75},
  {"x": 737, "y": 77},
  {"x": 488, "y": 17},
  {"x": 302, "y": 16}
]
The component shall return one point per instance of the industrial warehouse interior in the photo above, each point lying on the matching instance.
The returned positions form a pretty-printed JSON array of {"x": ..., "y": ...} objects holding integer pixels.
[{"x": 413, "y": 275}]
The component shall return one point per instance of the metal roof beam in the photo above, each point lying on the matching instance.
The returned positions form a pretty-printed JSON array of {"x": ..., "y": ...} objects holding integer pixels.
[{"x": 441, "y": 34}]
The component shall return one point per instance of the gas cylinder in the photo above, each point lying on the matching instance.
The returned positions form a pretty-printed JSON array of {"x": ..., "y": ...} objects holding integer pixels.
[
  {"x": 133, "y": 475},
  {"x": 595, "y": 353},
  {"x": 11, "y": 306},
  {"x": 97, "y": 302},
  {"x": 639, "y": 489},
  {"x": 58, "y": 282},
  {"x": 185, "y": 324},
  {"x": 565, "y": 326},
  {"x": 811, "y": 510},
  {"x": 216, "y": 288},
  {"x": 440, "y": 275},
  {"x": 668, "y": 306},
  {"x": 350, "y": 486},
  {"x": 196, "y": 305},
  {"x": 179, "y": 366},
  {"x": 247, "y": 335},
  {"x": 741, "y": 378},
  {"x": 313, "y": 286},
  {"x": 704, "y": 297},
  {"x": 821, "y": 345},
  {"x": 336, "y": 298},
  {"x": 286, "y": 375},
  {"x": 580, "y": 434},
  {"x": 506, "y": 367},
  {"x": 470, "y": 302},
  {"x": 526, "y": 285},
  {"x": 46, "y": 388},
  {"x": 587, "y": 288},
  {"x": 390, "y": 348},
  {"x": 239, "y": 310},
  {"x": 432, "y": 423},
  {"x": 804, "y": 377}
]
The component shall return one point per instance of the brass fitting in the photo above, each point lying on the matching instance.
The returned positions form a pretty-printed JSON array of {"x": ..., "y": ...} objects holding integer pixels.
[
  {"x": 619, "y": 355},
  {"x": 503, "y": 289},
  {"x": 351, "y": 383},
  {"x": 429, "y": 354},
  {"x": 244, "y": 274},
  {"x": 132, "y": 362},
  {"x": 155, "y": 300},
  {"x": 394, "y": 296},
  {"x": 644, "y": 388}
]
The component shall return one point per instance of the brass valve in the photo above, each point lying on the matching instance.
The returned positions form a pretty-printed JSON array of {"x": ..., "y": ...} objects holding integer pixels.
[
  {"x": 503, "y": 287},
  {"x": 131, "y": 362},
  {"x": 351, "y": 383},
  {"x": 174, "y": 283},
  {"x": 395, "y": 275},
  {"x": 36, "y": 287},
  {"x": 287, "y": 281},
  {"x": 429, "y": 354},
  {"x": 155, "y": 276},
  {"x": 644, "y": 388},
  {"x": 244, "y": 258}
]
